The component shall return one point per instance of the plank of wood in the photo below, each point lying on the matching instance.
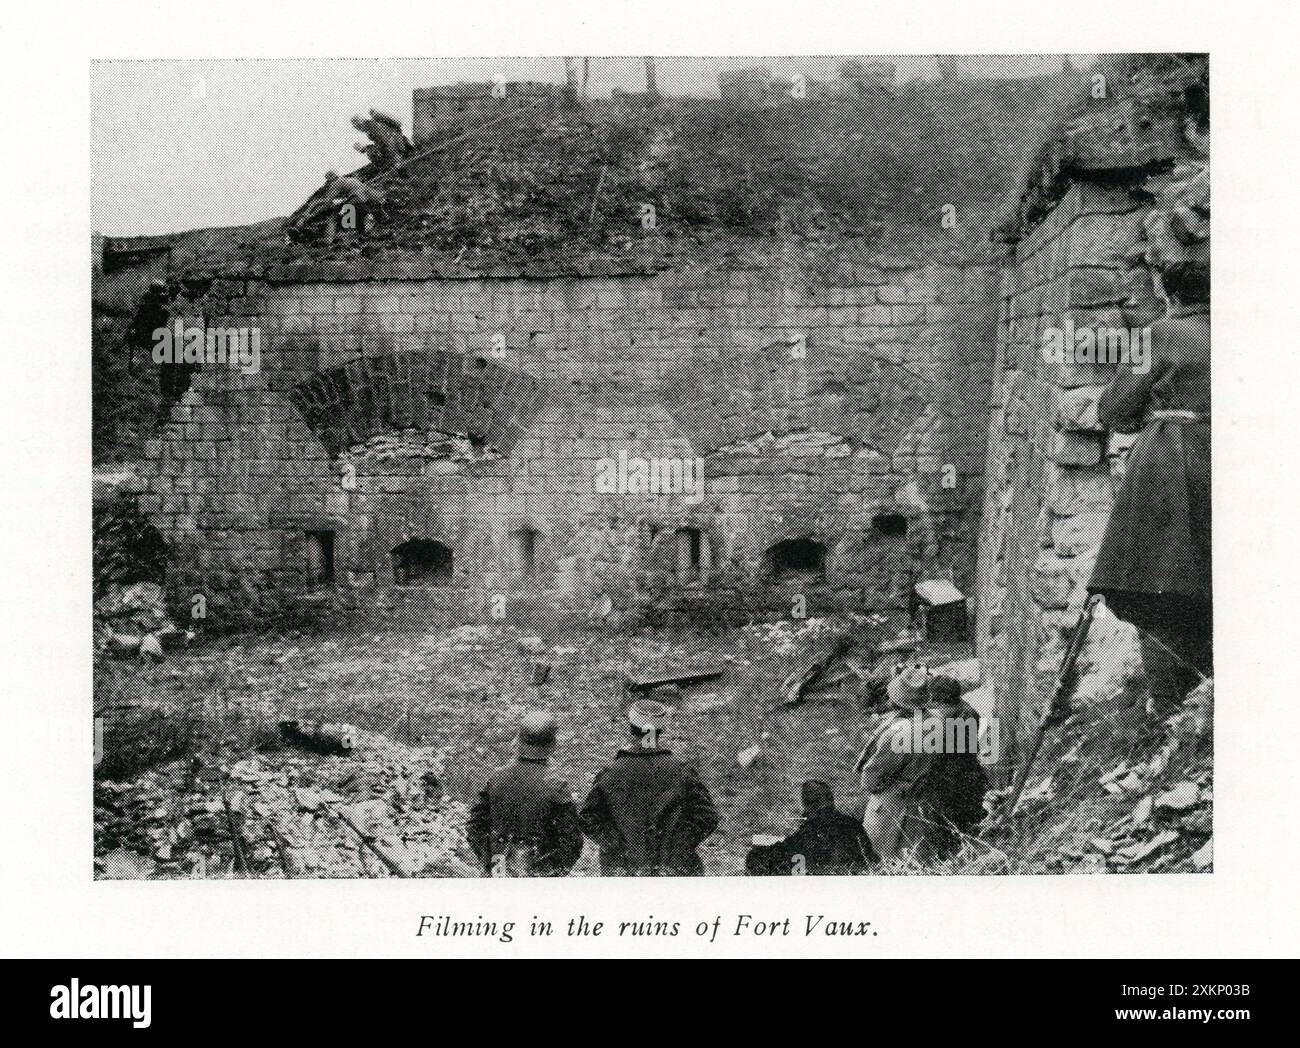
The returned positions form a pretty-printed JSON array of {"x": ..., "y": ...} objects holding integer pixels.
[{"x": 688, "y": 677}]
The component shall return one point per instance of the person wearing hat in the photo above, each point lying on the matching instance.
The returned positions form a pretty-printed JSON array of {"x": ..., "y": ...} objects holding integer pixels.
[
  {"x": 525, "y": 822},
  {"x": 1154, "y": 566},
  {"x": 828, "y": 843},
  {"x": 153, "y": 312},
  {"x": 952, "y": 799},
  {"x": 649, "y": 811},
  {"x": 893, "y": 771}
]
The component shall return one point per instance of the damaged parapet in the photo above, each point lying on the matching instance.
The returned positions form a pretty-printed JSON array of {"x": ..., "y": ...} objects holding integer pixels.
[{"x": 437, "y": 111}]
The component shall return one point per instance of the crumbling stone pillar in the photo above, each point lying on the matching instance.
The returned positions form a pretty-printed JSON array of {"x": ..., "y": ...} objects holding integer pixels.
[{"x": 1049, "y": 480}]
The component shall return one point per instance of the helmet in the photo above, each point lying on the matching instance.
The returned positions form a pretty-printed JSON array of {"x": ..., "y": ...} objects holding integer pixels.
[{"x": 537, "y": 735}]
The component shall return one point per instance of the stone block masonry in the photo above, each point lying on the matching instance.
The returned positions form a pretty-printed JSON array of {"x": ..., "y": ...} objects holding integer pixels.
[
  {"x": 1051, "y": 476},
  {"x": 839, "y": 408}
]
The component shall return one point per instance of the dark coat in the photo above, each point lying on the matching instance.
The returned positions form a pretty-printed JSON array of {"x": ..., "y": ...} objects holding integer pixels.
[
  {"x": 525, "y": 813},
  {"x": 926, "y": 797},
  {"x": 829, "y": 842},
  {"x": 648, "y": 812},
  {"x": 1158, "y": 534}
]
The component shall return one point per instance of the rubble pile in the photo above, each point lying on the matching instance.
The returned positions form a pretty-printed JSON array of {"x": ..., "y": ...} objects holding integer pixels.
[
  {"x": 1147, "y": 814},
  {"x": 796, "y": 444},
  {"x": 137, "y": 608},
  {"x": 133, "y": 620},
  {"x": 412, "y": 445},
  {"x": 1114, "y": 790},
  {"x": 291, "y": 813}
]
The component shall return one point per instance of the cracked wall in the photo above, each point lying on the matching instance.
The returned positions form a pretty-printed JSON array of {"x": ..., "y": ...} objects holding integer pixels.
[
  {"x": 1052, "y": 473},
  {"x": 820, "y": 394}
]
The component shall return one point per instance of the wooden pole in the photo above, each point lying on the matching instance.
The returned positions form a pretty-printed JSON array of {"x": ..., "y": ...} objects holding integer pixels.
[
  {"x": 393, "y": 866},
  {"x": 236, "y": 838},
  {"x": 1066, "y": 680},
  {"x": 571, "y": 79}
]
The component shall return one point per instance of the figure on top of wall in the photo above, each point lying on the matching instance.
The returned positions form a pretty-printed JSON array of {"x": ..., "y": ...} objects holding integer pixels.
[
  {"x": 1154, "y": 565},
  {"x": 337, "y": 192},
  {"x": 388, "y": 145}
]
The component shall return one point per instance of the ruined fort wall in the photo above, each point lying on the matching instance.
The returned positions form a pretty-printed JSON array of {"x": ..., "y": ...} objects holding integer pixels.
[
  {"x": 1051, "y": 473},
  {"x": 557, "y": 376}
]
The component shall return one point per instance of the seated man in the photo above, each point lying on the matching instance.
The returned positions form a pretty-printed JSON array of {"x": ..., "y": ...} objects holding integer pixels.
[{"x": 828, "y": 843}]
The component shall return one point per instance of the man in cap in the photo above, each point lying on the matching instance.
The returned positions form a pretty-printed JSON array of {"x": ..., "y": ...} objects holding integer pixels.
[
  {"x": 892, "y": 773},
  {"x": 525, "y": 822},
  {"x": 648, "y": 811},
  {"x": 828, "y": 843},
  {"x": 954, "y": 787}
]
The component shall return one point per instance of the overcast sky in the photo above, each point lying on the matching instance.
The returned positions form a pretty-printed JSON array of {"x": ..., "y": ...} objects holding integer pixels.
[{"x": 185, "y": 145}]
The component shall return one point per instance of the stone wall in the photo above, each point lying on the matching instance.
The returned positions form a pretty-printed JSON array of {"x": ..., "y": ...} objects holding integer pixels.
[
  {"x": 438, "y": 113},
  {"x": 1051, "y": 475},
  {"x": 873, "y": 378}
]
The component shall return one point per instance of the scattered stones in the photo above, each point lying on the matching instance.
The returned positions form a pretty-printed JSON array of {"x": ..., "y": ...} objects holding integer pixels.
[
  {"x": 1180, "y": 798},
  {"x": 286, "y": 807},
  {"x": 796, "y": 444},
  {"x": 1169, "y": 826},
  {"x": 1138, "y": 852},
  {"x": 420, "y": 445},
  {"x": 139, "y": 607}
]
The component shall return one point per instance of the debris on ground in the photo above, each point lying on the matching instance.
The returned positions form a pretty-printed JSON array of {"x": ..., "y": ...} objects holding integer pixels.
[
  {"x": 296, "y": 815},
  {"x": 320, "y": 736},
  {"x": 433, "y": 713},
  {"x": 1149, "y": 811},
  {"x": 832, "y": 647},
  {"x": 133, "y": 622}
]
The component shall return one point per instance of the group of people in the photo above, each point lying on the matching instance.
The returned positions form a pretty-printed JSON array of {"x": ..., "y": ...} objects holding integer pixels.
[
  {"x": 649, "y": 811},
  {"x": 388, "y": 148}
]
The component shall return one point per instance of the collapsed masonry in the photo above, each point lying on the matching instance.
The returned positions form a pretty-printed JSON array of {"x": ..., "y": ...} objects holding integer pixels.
[
  {"x": 425, "y": 440},
  {"x": 442, "y": 449}
]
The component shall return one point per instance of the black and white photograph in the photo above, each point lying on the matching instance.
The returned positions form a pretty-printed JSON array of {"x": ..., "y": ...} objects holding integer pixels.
[
  {"x": 690, "y": 480},
  {"x": 652, "y": 466}
]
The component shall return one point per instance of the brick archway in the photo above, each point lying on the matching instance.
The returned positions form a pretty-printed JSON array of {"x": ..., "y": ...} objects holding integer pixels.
[{"x": 435, "y": 390}]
